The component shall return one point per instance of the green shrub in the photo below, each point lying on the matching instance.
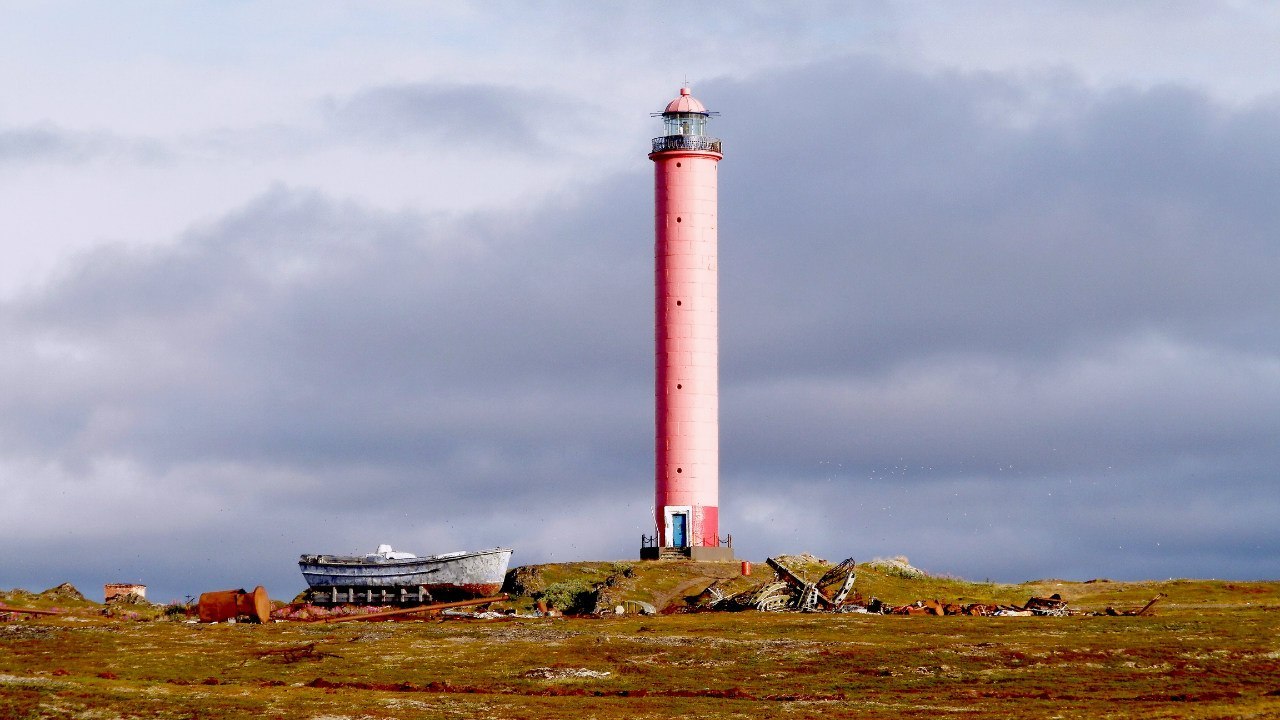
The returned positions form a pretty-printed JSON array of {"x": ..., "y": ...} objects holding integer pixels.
[
  {"x": 625, "y": 569},
  {"x": 175, "y": 610},
  {"x": 573, "y": 597}
]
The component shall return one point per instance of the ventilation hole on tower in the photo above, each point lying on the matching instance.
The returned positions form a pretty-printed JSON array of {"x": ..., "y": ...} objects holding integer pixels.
[
  {"x": 679, "y": 386},
  {"x": 679, "y": 470},
  {"x": 677, "y": 219},
  {"x": 678, "y": 303},
  {"x": 677, "y": 164}
]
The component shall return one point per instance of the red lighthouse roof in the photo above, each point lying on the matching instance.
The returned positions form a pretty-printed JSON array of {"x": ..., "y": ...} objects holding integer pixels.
[{"x": 686, "y": 103}]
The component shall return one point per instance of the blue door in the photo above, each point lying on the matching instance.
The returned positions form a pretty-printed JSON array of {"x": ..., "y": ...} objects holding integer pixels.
[{"x": 678, "y": 530}]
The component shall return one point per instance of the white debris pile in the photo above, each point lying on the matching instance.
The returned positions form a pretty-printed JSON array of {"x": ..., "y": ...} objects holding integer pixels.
[
  {"x": 547, "y": 673},
  {"x": 898, "y": 566}
]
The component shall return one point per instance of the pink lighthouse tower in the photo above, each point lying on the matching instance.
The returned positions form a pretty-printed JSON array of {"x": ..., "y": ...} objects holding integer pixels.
[{"x": 687, "y": 477}]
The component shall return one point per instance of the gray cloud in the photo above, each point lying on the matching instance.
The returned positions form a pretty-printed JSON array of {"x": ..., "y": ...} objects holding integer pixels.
[
  {"x": 47, "y": 142},
  {"x": 1013, "y": 327},
  {"x": 296, "y": 301},
  {"x": 918, "y": 218},
  {"x": 506, "y": 118}
]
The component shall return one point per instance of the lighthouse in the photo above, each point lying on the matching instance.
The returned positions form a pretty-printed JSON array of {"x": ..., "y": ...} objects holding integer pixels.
[{"x": 687, "y": 406}]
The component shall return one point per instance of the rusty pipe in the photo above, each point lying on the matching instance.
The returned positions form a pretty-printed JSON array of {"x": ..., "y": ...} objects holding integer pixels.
[
  {"x": 1149, "y": 605},
  {"x": 420, "y": 609},
  {"x": 28, "y": 611}
]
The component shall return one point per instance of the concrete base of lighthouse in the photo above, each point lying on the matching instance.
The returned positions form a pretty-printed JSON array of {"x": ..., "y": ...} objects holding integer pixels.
[{"x": 697, "y": 554}]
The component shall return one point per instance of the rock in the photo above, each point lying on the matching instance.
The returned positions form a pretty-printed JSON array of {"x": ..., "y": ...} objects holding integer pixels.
[
  {"x": 898, "y": 567},
  {"x": 127, "y": 599},
  {"x": 65, "y": 591},
  {"x": 803, "y": 559},
  {"x": 525, "y": 580}
]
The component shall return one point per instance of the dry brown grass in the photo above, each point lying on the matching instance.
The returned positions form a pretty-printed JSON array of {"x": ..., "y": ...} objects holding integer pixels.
[{"x": 1213, "y": 650}]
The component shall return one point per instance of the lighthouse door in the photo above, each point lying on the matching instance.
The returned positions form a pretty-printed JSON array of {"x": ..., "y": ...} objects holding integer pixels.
[{"x": 679, "y": 530}]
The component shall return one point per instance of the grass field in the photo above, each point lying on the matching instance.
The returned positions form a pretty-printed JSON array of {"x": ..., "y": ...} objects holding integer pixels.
[{"x": 1211, "y": 651}]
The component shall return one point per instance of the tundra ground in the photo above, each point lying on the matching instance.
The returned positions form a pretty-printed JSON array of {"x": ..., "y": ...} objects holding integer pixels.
[{"x": 1212, "y": 650}]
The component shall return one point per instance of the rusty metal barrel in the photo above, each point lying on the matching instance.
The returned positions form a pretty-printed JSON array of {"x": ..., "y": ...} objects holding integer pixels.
[{"x": 221, "y": 605}]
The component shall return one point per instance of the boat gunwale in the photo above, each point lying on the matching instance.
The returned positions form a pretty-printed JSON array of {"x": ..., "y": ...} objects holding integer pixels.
[{"x": 362, "y": 561}]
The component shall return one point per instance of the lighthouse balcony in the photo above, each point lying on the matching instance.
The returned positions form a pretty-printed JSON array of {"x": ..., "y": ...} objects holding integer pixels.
[{"x": 686, "y": 142}]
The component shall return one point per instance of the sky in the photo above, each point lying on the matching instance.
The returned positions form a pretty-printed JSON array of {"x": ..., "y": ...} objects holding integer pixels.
[{"x": 997, "y": 284}]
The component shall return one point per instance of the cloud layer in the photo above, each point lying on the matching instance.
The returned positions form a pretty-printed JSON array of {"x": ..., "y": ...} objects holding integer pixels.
[{"x": 1013, "y": 325}]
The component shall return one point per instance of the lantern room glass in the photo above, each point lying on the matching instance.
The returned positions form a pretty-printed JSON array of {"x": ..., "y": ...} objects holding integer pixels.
[{"x": 685, "y": 123}]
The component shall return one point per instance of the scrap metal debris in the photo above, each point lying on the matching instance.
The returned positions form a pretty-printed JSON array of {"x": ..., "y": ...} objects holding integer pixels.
[
  {"x": 1053, "y": 605},
  {"x": 833, "y": 592},
  {"x": 295, "y": 654},
  {"x": 1136, "y": 613},
  {"x": 639, "y": 607},
  {"x": 792, "y": 592},
  {"x": 771, "y": 597}
]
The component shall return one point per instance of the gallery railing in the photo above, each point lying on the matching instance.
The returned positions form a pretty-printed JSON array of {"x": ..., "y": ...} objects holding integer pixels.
[
  {"x": 647, "y": 541},
  {"x": 686, "y": 142}
]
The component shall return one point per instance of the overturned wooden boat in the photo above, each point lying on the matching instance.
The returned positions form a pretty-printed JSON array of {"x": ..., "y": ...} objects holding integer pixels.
[{"x": 400, "y": 578}]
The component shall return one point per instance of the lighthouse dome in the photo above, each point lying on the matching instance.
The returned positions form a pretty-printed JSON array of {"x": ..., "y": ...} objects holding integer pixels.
[
  {"x": 686, "y": 103},
  {"x": 684, "y": 125}
]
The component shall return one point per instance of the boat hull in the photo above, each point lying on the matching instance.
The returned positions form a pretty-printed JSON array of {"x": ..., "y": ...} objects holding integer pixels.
[{"x": 452, "y": 575}]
